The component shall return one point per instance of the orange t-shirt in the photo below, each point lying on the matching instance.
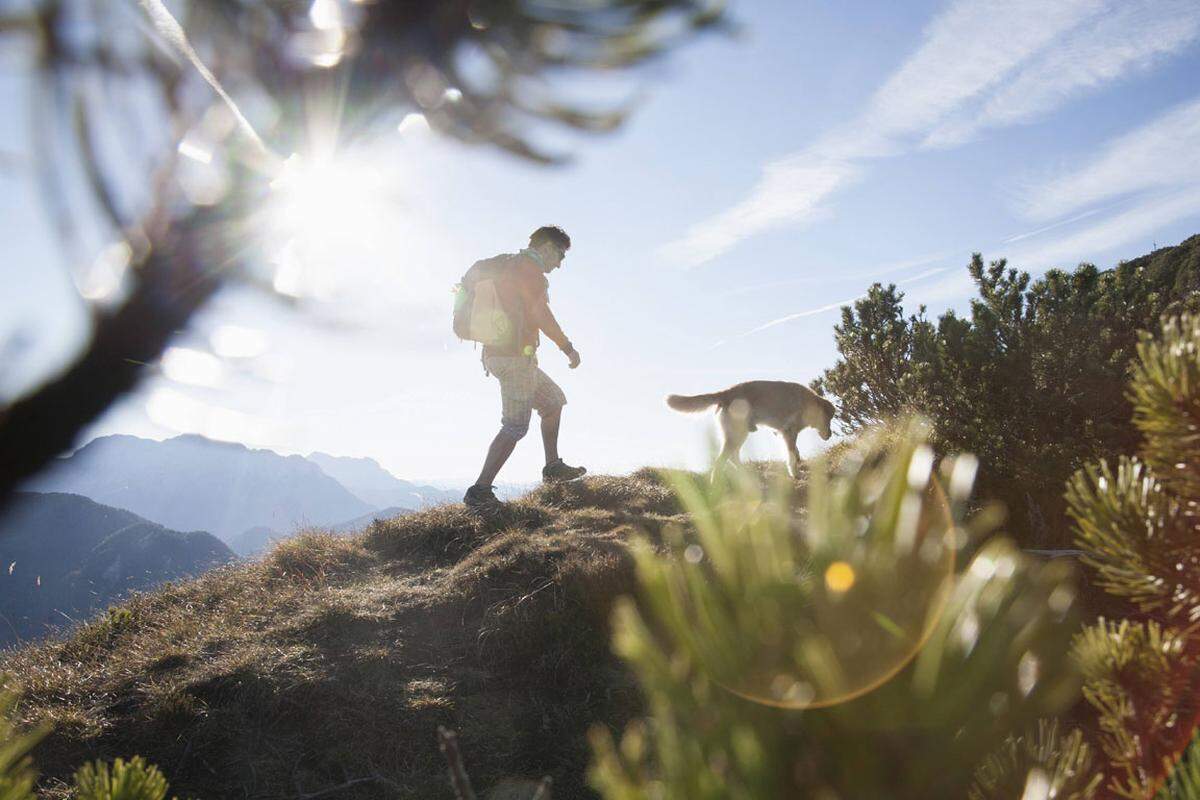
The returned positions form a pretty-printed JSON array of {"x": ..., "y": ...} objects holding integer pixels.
[{"x": 527, "y": 289}]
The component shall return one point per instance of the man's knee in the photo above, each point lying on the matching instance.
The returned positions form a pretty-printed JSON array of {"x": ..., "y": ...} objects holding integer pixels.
[
  {"x": 550, "y": 412},
  {"x": 514, "y": 429}
]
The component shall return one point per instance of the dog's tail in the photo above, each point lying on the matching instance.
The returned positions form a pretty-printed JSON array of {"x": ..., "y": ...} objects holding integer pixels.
[{"x": 694, "y": 402}]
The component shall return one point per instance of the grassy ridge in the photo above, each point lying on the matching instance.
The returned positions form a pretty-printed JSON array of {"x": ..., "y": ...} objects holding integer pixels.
[{"x": 332, "y": 661}]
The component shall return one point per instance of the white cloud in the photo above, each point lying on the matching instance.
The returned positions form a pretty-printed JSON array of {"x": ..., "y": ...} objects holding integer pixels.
[
  {"x": 1129, "y": 37},
  {"x": 968, "y": 49},
  {"x": 1162, "y": 153},
  {"x": 981, "y": 64},
  {"x": 790, "y": 189}
]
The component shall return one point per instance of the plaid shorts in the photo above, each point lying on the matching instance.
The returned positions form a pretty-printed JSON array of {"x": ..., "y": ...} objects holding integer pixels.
[{"x": 523, "y": 387}]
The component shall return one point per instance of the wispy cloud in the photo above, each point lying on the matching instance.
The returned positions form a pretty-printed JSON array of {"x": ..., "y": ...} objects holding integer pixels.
[
  {"x": 1163, "y": 153},
  {"x": 812, "y": 312},
  {"x": 1128, "y": 38},
  {"x": 790, "y": 190},
  {"x": 969, "y": 49},
  {"x": 825, "y": 279},
  {"x": 1139, "y": 222},
  {"x": 788, "y": 318},
  {"x": 1045, "y": 229},
  {"x": 981, "y": 64}
]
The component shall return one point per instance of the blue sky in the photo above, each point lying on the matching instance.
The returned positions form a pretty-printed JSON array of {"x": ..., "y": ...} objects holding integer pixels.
[{"x": 765, "y": 179}]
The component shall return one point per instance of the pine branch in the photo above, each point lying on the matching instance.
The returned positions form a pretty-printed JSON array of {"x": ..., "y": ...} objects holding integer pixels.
[
  {"x": 1062, "y": 765},
  {"x": 1184, "y": 780},
  {"x": 1138, "y": 537},
  {"x": 17, "y": 775},
  {"x": 1140, "y": 679},
  {"x": 1166, "y": 397}
]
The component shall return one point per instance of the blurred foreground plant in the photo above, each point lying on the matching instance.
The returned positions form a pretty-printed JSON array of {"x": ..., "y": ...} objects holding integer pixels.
[
  {"x": 1137, "y": 523},
  {"x": 134, "y": 780},
  {"x": 17, "y": 774},
  {"x": 829, "y": 655}
]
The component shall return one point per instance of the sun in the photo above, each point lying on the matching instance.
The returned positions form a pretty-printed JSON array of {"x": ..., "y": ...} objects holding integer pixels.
[
  {"x": 354, "y": 230},
  {"x": 328, "y": 218}
]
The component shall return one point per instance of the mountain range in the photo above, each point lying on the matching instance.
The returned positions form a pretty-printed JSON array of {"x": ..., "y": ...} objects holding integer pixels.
[
  {"x": 370, "y": 482},
  {"x": 63, "y": 557},
  {"x": 193, "y": 483},
  {"x": 108, "y": 518}
]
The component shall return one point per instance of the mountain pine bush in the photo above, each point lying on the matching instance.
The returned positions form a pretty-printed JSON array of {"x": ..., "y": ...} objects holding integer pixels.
[{"x": 1032, "y": 381}]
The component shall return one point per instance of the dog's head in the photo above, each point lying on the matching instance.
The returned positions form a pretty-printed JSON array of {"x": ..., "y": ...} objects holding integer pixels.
[{"x": 821, "y": 417}]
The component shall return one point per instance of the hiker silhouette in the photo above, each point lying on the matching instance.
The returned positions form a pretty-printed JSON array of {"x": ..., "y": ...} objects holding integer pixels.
[{"x": 504, "y": 303}]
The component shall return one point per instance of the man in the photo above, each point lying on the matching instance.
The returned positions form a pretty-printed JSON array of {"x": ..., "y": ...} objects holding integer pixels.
[{"x": 523, "y": 386}]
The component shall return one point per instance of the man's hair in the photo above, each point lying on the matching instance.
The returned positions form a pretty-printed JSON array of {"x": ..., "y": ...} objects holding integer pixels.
[{"x": 553, "y": 234}]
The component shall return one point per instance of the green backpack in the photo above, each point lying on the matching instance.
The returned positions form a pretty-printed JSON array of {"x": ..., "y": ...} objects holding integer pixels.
[{"x": 480, "y": 312}]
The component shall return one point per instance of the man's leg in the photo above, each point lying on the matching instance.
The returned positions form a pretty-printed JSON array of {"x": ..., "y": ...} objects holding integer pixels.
[
  {"x": 518, "y": 379},
  {"x": 499, "y": 451},
  {"x": 551, "y": 420},
  {"x": 549, "y": 400}
]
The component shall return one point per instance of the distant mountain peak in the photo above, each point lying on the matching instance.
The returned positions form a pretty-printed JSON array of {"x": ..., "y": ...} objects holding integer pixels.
[
  {"x": 366, "y": 478},
  {"x": 366, "y": 460},
  {"x": 191, "y": 482},
  {"x": 201, "y": 439}
]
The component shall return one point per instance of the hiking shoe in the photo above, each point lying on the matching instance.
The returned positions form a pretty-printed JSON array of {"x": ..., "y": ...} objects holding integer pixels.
[
  {"x": 482, "y": 499},
  {"x": 558, "y": 471}
]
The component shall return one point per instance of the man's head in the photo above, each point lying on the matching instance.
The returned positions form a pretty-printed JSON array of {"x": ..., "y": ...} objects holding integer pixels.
[{"x": 551, "y": 243}]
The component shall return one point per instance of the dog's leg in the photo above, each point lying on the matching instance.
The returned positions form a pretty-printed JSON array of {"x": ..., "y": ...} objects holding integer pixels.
[
  {"x": 789, "y": 438},
  {"x": 733, "y": 436}
]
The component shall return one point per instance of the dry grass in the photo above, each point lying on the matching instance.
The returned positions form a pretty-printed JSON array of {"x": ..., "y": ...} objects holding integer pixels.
[{"x": 334, "y": 659}]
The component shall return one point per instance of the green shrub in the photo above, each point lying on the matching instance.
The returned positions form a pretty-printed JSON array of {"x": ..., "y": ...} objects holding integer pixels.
[
  {"x": 1032, "y": 381},
  {"x": 133, "y": 780}
]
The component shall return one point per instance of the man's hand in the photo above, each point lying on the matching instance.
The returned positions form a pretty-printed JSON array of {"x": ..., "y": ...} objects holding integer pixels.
[{"x": 573, "y": 358}]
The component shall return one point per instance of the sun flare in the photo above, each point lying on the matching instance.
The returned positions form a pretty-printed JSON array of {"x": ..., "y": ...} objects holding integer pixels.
[
  {"x": 329, "y": 217},
  {"x": 325, "y": 197}
]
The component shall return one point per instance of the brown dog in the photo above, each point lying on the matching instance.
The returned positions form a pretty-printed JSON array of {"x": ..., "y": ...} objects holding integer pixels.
[{"x": 787, "y": 407}]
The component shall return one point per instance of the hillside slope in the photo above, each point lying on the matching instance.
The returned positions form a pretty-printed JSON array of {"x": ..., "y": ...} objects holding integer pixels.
[
  {"x": 255, "y": 540},
  {"x": 65, "y": 556},
  {"x": 332, "y": 661}
]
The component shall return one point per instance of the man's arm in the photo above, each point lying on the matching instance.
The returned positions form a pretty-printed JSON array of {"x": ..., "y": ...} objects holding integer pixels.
[{"x": 537, "y": 306}]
